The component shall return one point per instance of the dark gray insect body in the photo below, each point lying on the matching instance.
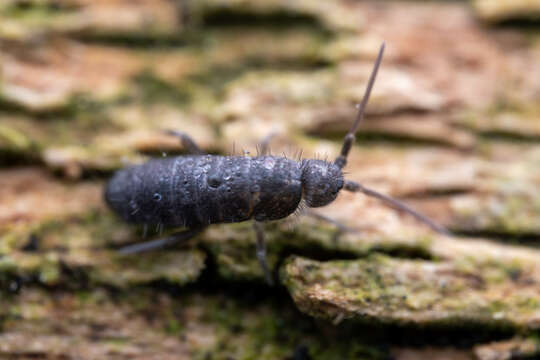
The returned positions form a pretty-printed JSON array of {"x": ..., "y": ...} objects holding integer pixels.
[
  {"x": 198, "y": 190},
  {"x": 194, "y": 191}
]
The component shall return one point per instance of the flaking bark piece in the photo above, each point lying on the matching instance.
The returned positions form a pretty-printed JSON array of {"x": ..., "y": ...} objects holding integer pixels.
[
  {"x": 380, "y": 289},
  {"x": 57, "y": 73},
  {"x": 32, "y": 196},
  {"x": 501, "y": 10},
  {"x": 131, "y": 19}
]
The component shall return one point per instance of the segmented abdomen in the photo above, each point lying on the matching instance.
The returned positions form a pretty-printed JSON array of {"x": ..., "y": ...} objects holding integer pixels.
[{"x": 198, "y": 190}]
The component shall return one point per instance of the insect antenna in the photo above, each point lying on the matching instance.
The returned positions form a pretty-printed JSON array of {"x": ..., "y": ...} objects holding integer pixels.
[
  {"x": 356, "y": 187},
  {"x": 341, "y": 160}
]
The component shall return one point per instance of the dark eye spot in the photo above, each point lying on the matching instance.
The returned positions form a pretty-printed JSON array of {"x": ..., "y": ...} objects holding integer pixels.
[
  {"x": 214, "y": 181},
  {"x": 156, "y": 197}
]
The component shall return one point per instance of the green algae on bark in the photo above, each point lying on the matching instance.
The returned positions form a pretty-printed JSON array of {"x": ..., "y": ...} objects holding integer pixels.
[
  {"x": 86, "y": 325},
  {"x": 162, "y": 20},
  {"x": 77, "y": 253},
  {"x": 513, "y": 212},
  {"x": 336, "y": 16},
  {"x": 142, "y": 322},
  {"x": 28, "y": 19},
  {"x": 76, "y": 269},
  {"x": 174, "y": 267},
  {"x": 103, "y": 140},
  {"x": 233, "y": 246},
  {"x": 383, "y": 290},
  {"x": 509, "y": 122}
]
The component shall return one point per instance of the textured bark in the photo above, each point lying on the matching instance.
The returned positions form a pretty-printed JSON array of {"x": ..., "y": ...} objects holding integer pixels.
[{"x": 87, "y": 87}]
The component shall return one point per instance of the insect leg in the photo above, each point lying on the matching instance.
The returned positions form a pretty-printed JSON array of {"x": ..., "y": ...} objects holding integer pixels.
[
  {"x": 187, "y": 142},
  {"x": 341, "y": 228},
  {"x": 339, "y": 225},
  {"x": 356, "y": 187},
  {"x": 261, "y": 251},
  {"x": 160, "y": 243}
]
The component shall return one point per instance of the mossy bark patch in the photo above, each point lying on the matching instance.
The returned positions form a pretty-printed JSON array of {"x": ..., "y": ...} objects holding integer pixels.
[
  {"x": 380, "y": 289},
  {"x": 27, "y": 19},
  {"x": 175, "y": 267},
  {"x": 140, "y": 323},
  {"x": 66, "y": 256}
]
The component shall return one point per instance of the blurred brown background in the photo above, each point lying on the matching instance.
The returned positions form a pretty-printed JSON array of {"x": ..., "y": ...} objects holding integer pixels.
[{"x": 453, "y": 129}]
